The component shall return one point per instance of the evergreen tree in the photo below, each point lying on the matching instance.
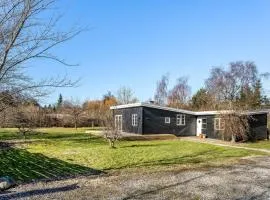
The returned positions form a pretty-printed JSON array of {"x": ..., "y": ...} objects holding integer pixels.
[
  {"x": 251, "y": 96},
  {"x": 59, "y": 101},
  {"x": 257, "y": 95},
  {"x": 201, "y": 100}
]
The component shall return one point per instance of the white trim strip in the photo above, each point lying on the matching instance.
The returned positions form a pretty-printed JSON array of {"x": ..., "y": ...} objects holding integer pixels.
[
  {"x": 184, "y": 111},
  {"x": 152, "y": 106}
]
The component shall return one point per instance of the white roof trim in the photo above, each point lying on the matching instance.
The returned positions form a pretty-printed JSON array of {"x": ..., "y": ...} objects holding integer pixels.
[
  {"x": 183, "y": 111},
  {"x": 152, "y": 106}
]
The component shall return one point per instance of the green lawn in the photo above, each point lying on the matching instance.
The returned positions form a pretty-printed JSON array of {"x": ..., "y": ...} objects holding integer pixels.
[
  {"x": 259, "y": 144},
  {"x": 64, "y": 152},
  {"x": 45, "y": 133}
]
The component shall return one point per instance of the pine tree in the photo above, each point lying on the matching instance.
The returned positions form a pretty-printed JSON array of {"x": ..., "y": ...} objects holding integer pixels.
[
  {"x": 257, "y": 95},
  {"x": 60, "y": 101},
  {"x": 201, "y": 100}
]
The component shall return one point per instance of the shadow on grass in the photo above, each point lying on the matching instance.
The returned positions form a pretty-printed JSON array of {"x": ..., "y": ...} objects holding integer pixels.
[
  {"x": 24, "y": 166},
  {"x": 31, "y": 193},
  {"x": 194, "y": 158},
  {"x": 143, "y": 145}
]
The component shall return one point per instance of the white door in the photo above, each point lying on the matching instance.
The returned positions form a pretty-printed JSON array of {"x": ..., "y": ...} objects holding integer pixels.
[
  {"x": 118, "y": 122},
  {"x": 199, "y": 126}
]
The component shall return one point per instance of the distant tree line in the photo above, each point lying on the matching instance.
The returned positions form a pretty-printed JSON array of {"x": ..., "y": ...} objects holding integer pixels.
[
  {"x": 26, "y": 113},
  {"x": 238, "y": 85}
]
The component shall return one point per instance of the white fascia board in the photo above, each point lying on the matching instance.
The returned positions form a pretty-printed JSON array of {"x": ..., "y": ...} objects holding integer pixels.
[
  {"x": 126, "y": 106},
  {"x": 151, "y": 106},
  {"x": 169, "y": 109},
  {"x": 230, "y": 111},
  {"x": 184, "y": 111}
]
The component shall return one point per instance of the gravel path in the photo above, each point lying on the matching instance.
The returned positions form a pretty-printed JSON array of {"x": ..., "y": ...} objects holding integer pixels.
[{"x": 248, "y": 180}]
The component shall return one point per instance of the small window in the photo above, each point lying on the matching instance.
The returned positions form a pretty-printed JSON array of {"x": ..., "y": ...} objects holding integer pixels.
[
  {"x": 219, "y": 124},
  {"x": 204, "y": 123},
  {"x": 134, "y": 120},
  {"x": 180, "y": 120},
  {"x": 167, "y": 120}
]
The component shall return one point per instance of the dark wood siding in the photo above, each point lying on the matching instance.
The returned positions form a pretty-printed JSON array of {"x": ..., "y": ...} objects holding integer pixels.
[
  {"x": 127, "y": 119},
  {"x": 209, "y": 131},
  {"x": 258, "y": 126},
  {"x": 154, "y": 123}
]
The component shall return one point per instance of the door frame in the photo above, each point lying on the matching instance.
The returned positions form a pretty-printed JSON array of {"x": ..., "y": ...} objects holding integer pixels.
[
  {"x": 118, "y": 119},
  {"x": 198, "y": 123}
]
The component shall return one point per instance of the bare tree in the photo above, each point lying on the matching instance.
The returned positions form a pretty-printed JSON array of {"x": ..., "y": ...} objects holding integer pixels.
[
  {"x": 226, "y": 85},
  {"x": 25, "y": 117},
  {"x": 111, "y": 132},
  {"x": 74, "y": 109},
  {"x": 125, "y": 95},
  {"x": 161, "y": 93},
  {"x": 26, "y": 37},
  {"x": 180, "y": 94},
  {"x": 235, "y": 124}
]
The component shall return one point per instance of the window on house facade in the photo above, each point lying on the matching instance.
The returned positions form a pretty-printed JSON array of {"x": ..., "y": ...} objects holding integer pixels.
[
  {"x": 118, "y": 122},
  {"x": 204, "y": 123},
  {"x": 219, "y": 124},
  {"x": 167, "y": 120},
  {"x": 180, "y": 120},
  {"x": 134, "y": 120}
]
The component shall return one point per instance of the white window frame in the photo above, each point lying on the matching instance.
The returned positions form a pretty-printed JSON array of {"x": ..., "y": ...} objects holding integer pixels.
[
  {"x": 167, "y": 120},
  {"x": 180, "y": 119},
  {"x": 117, "y": 121},
  {"x": 134, "y": 120},
  {"x": 204, "y": 123},
  {"x": 218, "y": 128}
]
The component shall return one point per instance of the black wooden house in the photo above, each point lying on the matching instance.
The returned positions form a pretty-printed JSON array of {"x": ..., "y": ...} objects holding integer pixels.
[{"x": 147, "y": 118}]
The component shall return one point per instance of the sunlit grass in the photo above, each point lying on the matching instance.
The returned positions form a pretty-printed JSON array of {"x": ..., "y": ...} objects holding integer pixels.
[
  {"x": 264, "y": 144},
  {"x": 44, "y": 133},
  {"x": 59, "y": 152},
  {"x": 94, "y": 152}
]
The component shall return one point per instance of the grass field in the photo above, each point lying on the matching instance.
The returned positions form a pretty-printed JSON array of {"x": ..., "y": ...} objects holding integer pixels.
[
  {"x": 59, "y": 152},
  {"x": 260, "y": 144}
]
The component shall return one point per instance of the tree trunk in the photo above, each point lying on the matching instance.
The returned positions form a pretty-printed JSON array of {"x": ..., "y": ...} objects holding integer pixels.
[
  {"x": 75, "y": 125},
  {"x": 233, "y": 138},
  {"x": 111, "y": 143}
]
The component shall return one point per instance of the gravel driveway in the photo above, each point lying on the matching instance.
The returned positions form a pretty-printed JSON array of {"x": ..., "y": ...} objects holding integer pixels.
[{"x": 249, "y": 180}]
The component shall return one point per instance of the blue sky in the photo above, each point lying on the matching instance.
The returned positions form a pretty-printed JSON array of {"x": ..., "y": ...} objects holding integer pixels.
[{"x": 133, "y": 42}]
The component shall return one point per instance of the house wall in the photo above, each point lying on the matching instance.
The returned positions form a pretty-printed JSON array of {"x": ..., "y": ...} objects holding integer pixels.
[
  {"x": 154, "y": 123},
  {"x": 127, "y": 119},
  {"x": 210, "y": 130},
  {"x": 258, "y": 127}
]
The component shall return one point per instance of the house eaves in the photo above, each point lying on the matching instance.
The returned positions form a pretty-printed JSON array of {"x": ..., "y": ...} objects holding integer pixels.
[{"x": 201, "y": 113}]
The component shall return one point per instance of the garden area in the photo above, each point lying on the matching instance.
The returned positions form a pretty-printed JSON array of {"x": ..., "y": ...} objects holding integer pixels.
[{"x": 55, "y": 153}]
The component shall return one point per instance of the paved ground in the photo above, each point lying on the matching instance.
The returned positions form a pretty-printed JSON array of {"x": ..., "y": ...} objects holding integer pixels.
[{"x": 248, "y": 180}]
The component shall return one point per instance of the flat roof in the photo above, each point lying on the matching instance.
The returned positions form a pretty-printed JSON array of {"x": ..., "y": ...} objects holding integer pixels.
[{"x": 201, "y": 113}]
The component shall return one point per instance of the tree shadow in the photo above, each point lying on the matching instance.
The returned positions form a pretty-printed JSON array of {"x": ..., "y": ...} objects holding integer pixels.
[
  {"x": 143, "y": 145},
  {"x": 194, "y": 158},
  {"x": 24, "y": 166},
  {"x": 5, "y": 145},
  {"x": 31, "y": 193}
]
